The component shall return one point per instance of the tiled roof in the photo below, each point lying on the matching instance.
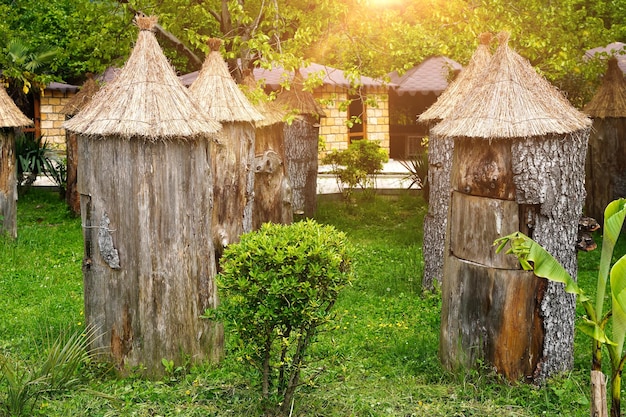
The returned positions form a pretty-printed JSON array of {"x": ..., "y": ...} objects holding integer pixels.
[
  {"x": 274, "y": 77},
  {"x": 431, "y": 75}
]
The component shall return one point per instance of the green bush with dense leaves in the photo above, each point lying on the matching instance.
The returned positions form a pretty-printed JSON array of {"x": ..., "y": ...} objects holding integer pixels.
[
  {"x": 357, "y": 166},
  {"x": 278, "y": 286}
]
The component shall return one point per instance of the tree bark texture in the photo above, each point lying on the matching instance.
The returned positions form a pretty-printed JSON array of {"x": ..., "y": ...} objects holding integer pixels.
[
  {"x": 548, "y": 175},
  {"x": 606, "y": 166},
  {"x": 272, "y": 190},
  {"x": 8, "y": 183},
  {"x": 232, "y": 161},
  {"x": 492, "y": 311},
  {"x": 72, "y": 197},
  {"x": 439, "y": 166},
  {"x": 301, "y": 154},
  {"x": 149, "y": 262}
]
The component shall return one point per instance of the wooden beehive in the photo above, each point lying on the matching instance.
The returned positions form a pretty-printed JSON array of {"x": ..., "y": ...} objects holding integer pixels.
[
  {"x": 518, "y": 149},
  {"x": 11, "y": 117},
  {"x": 146, "y": 192},
  {"x": 606, "y": 156},
  {"x": 233, "y": 155}
]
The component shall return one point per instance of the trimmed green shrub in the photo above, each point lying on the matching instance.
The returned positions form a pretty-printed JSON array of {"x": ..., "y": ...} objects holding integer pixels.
[
  {"x": 357, "y": 166},
  {"x": 278, "y": 286}
]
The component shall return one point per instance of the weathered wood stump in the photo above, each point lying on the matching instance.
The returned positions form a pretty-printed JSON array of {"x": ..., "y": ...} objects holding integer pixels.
[
  {"x": 272, "y": 189},
  {"x": 144, "y": 152},
  {"x": 149, "y": 259},
  {"x": 8, "y": 183},
  {"x": 518, "y": 150},
  {"x": 301, "y": 162},
  {"x": 606, "y": 155}
]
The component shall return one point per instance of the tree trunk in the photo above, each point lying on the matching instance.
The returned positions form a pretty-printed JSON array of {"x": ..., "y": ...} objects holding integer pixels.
[
  {"x": 72, "y": 197},
  {"x": 149, "y": 261},
  {"x": 272, "y": 190},
  {"x": 491, "y": 310},
  {"x": 548, "y": 175},
  {"x": 605, "y": 167},
  {"x": 439, "y": 166},
  {"x": 301, "y": 154},
  {"x": 8, "y": 183},
  {"x": 232, "y": 160}
]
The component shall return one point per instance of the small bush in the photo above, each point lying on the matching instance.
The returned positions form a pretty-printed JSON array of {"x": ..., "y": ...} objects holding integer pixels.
[
  {"x": 357, "y": 166},
  {"x": 22, "y": 387},
  {"x": 35, "y": 157},
  {"x": 278, "y": 286}
]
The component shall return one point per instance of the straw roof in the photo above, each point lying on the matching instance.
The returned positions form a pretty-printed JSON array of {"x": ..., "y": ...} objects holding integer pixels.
[
  {"x": 610, "y": 99},
  {"x": 300, "y": 101},
  {"x": 463, "y": 84},
  {"x": 146, "y": 99},
  {"x": 10, "y": 114},
  {"x": 512, "y": 101},
  {"x": 80, "y": 99},
  {"x": 218, "y": 94},
  {"x": 272, "y": 113}
]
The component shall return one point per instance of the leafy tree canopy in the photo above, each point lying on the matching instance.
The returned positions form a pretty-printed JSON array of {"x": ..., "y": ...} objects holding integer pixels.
[{"x": 371, "y": 37}]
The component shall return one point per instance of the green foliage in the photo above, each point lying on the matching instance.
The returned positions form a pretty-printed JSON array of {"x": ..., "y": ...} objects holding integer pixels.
[
  {"x": 278, "y": 286},
  {"x": 533, "y": 257},
  {"x": 357, "y": 166},
  {"x": 381, "y": 361},
  {"x": 417, "y": 167},
  {"x": 23, "y": 387},
  {"x": 34, "y": 157}
]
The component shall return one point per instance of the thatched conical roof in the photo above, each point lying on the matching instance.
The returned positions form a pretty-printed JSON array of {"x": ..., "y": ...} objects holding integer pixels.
[
  {"x": 610, "y": 99},
  {"x": 10, "y": 114},
  {"x": 511, "y": 101},
  {"x": 462, "y": 85},
  {"x": 146, "y": 99},
  {"x": 299, "y": 101},
  {"x": 218, "y": 94},
  {"x": 80, "y": 99},
  {"x": 272, "y": 113}
]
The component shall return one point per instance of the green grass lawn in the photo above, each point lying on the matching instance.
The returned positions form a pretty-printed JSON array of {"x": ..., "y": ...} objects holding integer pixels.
[{"x": 379, "y": 360}]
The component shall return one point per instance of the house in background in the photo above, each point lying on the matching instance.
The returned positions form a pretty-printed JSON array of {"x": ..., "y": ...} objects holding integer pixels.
[
  {"x": 369, "y": 103},
  {"x": 50, "y": 118},
  {"x": 387, "y": 111},
  {"x": 409, "y": 96}
]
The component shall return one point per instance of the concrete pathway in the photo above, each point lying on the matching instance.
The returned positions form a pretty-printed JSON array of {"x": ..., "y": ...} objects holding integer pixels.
[{"x": 394, "y": 176}]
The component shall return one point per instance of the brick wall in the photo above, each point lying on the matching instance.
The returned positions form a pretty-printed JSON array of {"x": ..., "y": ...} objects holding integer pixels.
[
  {"x": 51, "y": 105},
  {"x": 333, "y": 127}
]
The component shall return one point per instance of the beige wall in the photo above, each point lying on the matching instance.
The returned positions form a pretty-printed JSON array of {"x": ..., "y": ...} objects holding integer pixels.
[
  {"x": 333, "y": 127},
  {"x": 51, "y": 105}
]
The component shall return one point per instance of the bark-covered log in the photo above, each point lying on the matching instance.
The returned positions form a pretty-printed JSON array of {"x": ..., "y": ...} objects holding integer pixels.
[
  {"x": 232, "y": 160},
  {"x": 490, "y": 314},
  {"x": 8, "y": 183},
  {"x": 301, "y": 154},
  {"x": 548, "y": 174},
  {"x": 439, "y": 168},
  {"x": 149, "y": 261},
  {"x": 606, "y": 165},
  {"x": 533, "y": 185},
  {"x": 72, "y": 197},
  {"x": 272, "y": 190}
]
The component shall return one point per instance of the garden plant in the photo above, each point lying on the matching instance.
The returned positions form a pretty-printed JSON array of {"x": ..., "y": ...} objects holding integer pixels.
[
  {"x": 377, "y": 358},
  {"x": 357, "y": 166},
  {"x": 534, "y": 257},
  {"x": 278, "y": 286}
]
